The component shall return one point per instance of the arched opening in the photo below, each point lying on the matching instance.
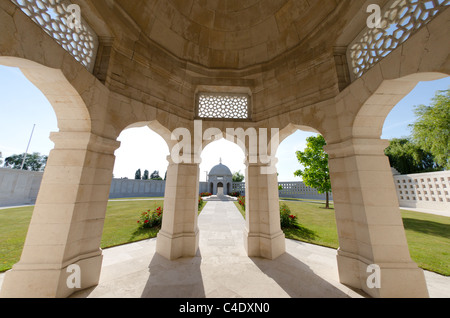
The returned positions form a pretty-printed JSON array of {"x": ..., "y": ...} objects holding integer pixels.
[
  {"x": 301, "y": 199},
  {"x": 26, "y": 121},
  {"x": 363, "y": 187},
  {"x": 220, "y": 188},
  {"x": 371, "y": 117},
  {"x": 64, "y": 187},
  {"x": 137, "y": 186},
  {"x": 141, "y": 156},
  {"x": 419, "y": 182}
]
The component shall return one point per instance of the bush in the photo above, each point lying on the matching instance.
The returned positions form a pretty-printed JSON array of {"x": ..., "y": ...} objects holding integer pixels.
[
  {"x": 205, "y": 194},
  {"x": 241, "y": 201},
  {"x": 150, "y": 219},
  {"x": 235, "y": 194},
  {"x": 288, "y": 220},
  {"x": 200, "y": 202}
]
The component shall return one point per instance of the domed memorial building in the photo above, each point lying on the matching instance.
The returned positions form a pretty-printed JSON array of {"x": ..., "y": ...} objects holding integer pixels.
[
  {"x": 207, "y": 69},
  {"x": 220, "y": 180}
]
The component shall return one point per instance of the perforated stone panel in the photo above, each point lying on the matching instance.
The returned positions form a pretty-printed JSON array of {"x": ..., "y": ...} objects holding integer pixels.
[
  {"x": 400, "y": 20},
  {"x": 426, "y": 190},
  {"x": 54, "y": 18},
  {"x": 223, "y": 106}
]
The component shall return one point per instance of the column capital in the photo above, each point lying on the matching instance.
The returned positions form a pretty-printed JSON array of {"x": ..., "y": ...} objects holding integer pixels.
[
  {"x": 357, "y": 147},
  {"x": 195, "y": 162},
  {"x": 258, "y": 163},
  {"x": 265, "y": 167},
  {"x": 84, "y": 140}
]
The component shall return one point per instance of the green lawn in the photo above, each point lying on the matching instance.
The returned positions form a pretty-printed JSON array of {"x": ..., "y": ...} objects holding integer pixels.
[
  {"x": 428, "y": 235},
  {"x": 13, "y": 228},
  {"x": 120, "y": 227},
  {"x": 121, "y": 222}
]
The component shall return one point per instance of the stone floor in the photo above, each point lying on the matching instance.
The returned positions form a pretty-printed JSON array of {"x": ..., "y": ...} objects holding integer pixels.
[{"x": 222, "y": 269}]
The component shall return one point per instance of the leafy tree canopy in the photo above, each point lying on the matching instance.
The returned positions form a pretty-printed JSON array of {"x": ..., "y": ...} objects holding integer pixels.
[
  {"x": 137, "y": 175},
  {"x": 33, "y": 162},
  {"x": 316, "y": 173},
  {"x": 407, "y": 157},
  {"x": 238, "y": 177},
  {"x": 431, "y": 130},
  {"x": 155, "y": 175}
]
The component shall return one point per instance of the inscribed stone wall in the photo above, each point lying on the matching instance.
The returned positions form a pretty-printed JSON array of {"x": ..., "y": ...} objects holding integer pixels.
[
  {"x": 19, "y": 187},
  {"x": 422, "y": 191}
]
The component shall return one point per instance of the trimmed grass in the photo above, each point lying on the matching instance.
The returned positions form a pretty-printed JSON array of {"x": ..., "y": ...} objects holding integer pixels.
[
  {"x": 120, "y": 227},
  {"x": 13, "y": 229},
  {"x": 121, "y": 222},
  {"x": 428, "y": 240},
  {"x": 240, "y": 209},
  {"x": 317, "y": 224},
  {"x": 428, "y": 235}
]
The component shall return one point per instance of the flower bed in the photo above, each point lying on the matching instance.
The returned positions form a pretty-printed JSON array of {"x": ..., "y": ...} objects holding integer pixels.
[
  {"x": 288, "y": 220},
  {"x": 150, "y": 219}
]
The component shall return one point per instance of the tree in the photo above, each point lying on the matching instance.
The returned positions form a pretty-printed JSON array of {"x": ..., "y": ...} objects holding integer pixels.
[
  {"x": 316, "y": 173},
  {"x": 145, "y": 176},
  {"x": 407, "y": 157},
  {"x": 155, "y": 175},
  {"x": 33, "y": 162},
  {"x": 137, "y": 175},
  {"x": 431, "y": 130},
  {"x": 238, "y": 177}
]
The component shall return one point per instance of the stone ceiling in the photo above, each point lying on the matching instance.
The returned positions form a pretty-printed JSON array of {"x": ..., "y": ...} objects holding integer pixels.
[{"x": 227, "y": 33}]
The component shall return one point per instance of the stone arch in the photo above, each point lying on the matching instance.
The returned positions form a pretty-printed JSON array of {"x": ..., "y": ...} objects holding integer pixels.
[
  {"x": 70, "y": 109},
  {"x": 76, "y": 180},
  {"x": 291, "y": 128},
  {"x": 371, "y": 116},
  {"x": 370, "y": 227},
  {"x": 155, "y": 126}
]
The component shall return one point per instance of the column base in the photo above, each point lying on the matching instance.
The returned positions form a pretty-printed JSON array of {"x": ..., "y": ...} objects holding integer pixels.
[
  {"x": 397, "y": 280},
  {"x": 265, "y": 246},
  {"x": 46, "y": 281},
  {"x": 173, "y": 247}
]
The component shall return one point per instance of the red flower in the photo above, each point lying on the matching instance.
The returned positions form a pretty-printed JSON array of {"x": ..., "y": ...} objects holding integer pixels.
[
  {"x": 146, "y": 221},
  {"x": 292, "y": 216},
  {"x": 138, "y": 222}
]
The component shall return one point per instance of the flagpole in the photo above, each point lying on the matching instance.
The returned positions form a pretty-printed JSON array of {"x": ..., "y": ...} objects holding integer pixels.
[{"x": 26, "y": 152}]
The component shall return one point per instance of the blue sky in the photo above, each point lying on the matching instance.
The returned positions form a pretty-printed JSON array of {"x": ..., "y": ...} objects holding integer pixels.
[{"x": 23, "y": 105}]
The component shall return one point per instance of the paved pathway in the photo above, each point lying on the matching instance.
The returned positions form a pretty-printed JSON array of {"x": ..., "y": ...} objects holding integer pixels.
[{"x": 220, "y": 269}]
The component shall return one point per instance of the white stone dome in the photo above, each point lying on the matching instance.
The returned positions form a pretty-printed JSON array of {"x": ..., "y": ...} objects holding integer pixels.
[{"x": 220, "y": 170}]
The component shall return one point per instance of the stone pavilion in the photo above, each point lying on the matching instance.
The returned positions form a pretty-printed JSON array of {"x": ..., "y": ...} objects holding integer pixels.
[{"x": 325, "y": 66}]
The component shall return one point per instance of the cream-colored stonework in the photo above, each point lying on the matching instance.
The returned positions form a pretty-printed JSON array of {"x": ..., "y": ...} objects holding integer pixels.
[{"x": 153, "y": 57}]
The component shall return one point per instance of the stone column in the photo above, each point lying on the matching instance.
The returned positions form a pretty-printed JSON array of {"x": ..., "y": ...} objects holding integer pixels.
[
  {"x": 67, "y": 222},
  {"x": 369, "y": 222},
  {"x": 263, "y": 236},
  {"x": 179, "y": 235}
]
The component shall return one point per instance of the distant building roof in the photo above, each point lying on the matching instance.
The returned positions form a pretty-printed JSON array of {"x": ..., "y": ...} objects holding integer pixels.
[{"x": 220, "y": 170}]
